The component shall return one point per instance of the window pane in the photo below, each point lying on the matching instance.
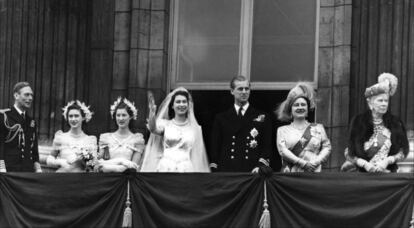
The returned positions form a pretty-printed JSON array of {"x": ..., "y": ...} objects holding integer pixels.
[
  {"x": 208, "y": 40},
  {"x": 283, "y": 48}
]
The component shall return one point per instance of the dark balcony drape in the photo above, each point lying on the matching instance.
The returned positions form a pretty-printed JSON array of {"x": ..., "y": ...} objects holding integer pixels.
[
  {"x": 62, "y": 200},
  {"x": 341, "y": 200},
  {"x": 206, "y": 200}
]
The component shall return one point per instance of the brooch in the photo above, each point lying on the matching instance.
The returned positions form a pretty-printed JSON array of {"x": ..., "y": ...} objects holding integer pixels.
[
  {"x": 302, "y": 141},
  {"x": 253, "y": 143},
  {"x": 254, "y": 133},
  {"x": 32, "y": 124},
  {"x": 314, "y": 131}
]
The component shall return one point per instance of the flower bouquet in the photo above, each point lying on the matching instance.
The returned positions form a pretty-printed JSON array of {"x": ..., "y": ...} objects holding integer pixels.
[{"x": 87, "y": 158}]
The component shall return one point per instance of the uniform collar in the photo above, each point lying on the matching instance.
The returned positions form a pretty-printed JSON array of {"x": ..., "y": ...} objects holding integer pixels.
[{"x": 18, "y": 110}]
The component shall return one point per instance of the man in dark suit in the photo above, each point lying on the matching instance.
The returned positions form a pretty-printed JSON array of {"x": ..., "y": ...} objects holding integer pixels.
[
  {"x": 241, "y": 136},
  {"x": 18, "y": 138}
]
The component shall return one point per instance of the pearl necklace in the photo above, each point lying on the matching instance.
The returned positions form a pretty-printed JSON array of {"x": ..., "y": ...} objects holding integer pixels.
[
  {"x": 180, "y": 123},
  {"x": 377, "y": 121}
]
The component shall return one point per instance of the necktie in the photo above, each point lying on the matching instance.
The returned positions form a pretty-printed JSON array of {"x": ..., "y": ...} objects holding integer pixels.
[
  {"x": 239, "y": 113},
  {"x": 23, "y": 116}
]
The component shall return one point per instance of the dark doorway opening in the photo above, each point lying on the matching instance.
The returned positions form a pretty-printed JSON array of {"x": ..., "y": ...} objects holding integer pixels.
[{"x": 208, "y": 103}]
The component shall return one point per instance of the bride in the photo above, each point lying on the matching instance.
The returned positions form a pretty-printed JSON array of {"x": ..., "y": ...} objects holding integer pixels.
[
  {"x": 176, "y": 142},
  {"x": 121, "y": 149},
  {"x": 71, "y": 148}
]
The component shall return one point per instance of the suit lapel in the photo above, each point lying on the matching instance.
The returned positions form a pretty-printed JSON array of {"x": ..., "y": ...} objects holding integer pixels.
[
  {"x": 234, "y": 120},
  {"x": 248, "y": 114},
  {"x": 238, "y": 123}
]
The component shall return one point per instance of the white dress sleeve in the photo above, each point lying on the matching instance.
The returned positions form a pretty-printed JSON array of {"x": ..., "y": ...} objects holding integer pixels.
[
  {"x": 284, "y": 152},
  {"x": 325, "y": 145}
]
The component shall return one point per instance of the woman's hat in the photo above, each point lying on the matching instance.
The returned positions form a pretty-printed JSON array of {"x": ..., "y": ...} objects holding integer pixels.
[
  {"x": 302, "y": 89},
  {"x": 387, "y": 83}
]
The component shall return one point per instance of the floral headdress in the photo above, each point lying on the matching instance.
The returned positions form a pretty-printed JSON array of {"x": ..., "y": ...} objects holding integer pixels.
[
  {"x": 302, "y": 89},
  {"x": 83, "y": 107},
  {"x": 387, "y": 83},
  {"x": 128, "y": 103}
]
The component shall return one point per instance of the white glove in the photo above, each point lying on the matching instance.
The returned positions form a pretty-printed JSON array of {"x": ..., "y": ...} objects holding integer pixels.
[
  {"x": 366, "y": 165},
  {"x": 369, "y": 167},
  {"x": 382, "y": 165},
  {"x": 130, "y": 164},
  {"x": 360, "y": 162},
  {"x": 37, "y": 167},
  {"x": 301, "y": 162},
  {"x": 255, "y": 170}
]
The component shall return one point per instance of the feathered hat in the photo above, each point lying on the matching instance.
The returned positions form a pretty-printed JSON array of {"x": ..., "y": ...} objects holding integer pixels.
[
  {"x": 302, "y": 89},
  {"x": 387, "y": 83}
]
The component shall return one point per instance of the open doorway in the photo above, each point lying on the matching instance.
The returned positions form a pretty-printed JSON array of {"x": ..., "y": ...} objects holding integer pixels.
[{"x": 208, "y": 103}]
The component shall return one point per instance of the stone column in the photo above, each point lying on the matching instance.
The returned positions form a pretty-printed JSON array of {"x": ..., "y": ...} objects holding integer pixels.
[
  {"x": 334, "y": 73},
  {"x": 148, "y": 53}
]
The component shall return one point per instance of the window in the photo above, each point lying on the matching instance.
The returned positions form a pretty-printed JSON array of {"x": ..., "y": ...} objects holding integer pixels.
[{"x": 271, "y": 42}]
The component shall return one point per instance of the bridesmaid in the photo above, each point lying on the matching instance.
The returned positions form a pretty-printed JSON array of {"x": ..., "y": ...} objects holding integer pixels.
[
  {"x": 121, "y": 149},
  {"x": 73, "y": 149}
]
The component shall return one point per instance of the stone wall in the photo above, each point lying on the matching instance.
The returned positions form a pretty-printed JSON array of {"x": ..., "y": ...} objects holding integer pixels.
[
  {"x": 129, "y": 55},
  {"x": 333, "y": 74},
  {"x": 140, "y": 51}
]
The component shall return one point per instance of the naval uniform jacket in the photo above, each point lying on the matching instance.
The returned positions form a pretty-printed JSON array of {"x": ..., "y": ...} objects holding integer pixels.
[
  {"x": 20, "y": 153},
  {"x": 239, "y": 144}
]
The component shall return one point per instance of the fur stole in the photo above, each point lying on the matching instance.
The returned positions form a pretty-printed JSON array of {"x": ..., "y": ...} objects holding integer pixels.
[{"x": 362, "y": 128}]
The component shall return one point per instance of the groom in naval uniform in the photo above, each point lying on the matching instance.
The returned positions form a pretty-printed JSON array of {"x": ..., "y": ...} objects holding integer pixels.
[
  {"x": 18, "y": 138},
  {"x": 241, "y": 136}
]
